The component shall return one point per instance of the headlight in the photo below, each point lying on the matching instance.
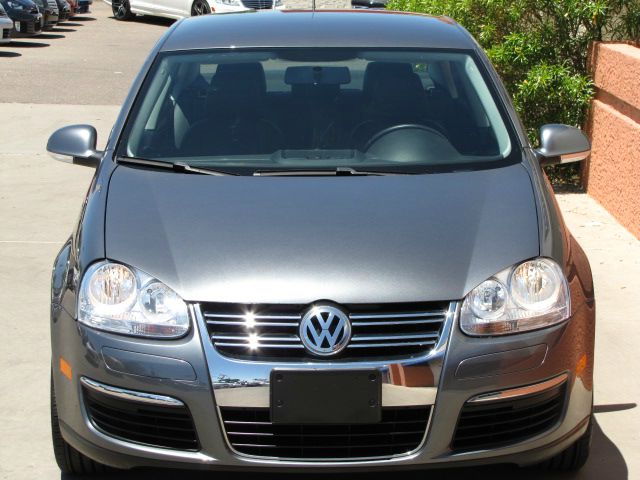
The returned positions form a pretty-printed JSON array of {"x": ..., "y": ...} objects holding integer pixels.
[
  {"x": 531, "y": 295},
  {"x": 229, "y": 2},
  {"x": 277, "y": 3},
  {"x": 117, "y": 298}
]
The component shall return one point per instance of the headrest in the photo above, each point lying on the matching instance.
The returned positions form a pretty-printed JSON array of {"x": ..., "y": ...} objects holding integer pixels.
[
  {"x": 393, "y": 89},
  {"x": 240, "y": 78},
  {"x": 375, "y": 70}
]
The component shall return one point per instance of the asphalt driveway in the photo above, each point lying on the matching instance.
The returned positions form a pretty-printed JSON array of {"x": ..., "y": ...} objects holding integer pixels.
[{"x": 79, "y": 74}]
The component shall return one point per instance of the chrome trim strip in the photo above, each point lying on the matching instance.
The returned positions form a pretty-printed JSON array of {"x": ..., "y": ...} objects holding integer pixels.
[
  {"x": 520, "y": 391},
  {"x": 389, "y": 344},
  {"x": 257, "y": 345},
  {"x": 391, "y": 322},
  {"x": 362, "y": 316},
  {"x": 131, "y": 395},
  {"x": 365, "y": 338},
  {"x": 255, "y": 317},
  {"x": 256, "y": 324}
]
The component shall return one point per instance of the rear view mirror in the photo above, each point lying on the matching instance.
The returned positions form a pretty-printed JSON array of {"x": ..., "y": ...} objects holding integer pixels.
[
  {"x": 562, "y": 144},
  {"x": 75, "y": 144}
]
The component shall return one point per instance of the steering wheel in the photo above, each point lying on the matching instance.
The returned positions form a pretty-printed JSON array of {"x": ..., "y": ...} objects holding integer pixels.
[
  {"x": 426, "y": 122},
  {"x": 406, "y": 126}
]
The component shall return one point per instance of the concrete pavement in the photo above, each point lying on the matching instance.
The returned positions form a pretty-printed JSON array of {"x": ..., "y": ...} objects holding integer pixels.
[{"x": 40, "y": 200}]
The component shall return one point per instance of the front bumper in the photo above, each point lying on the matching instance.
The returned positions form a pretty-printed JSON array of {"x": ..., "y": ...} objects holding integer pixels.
[
  {"x": 28, "y": 24},
  {"x": 6, "y": 26},
  {"x": 463, "y": 368}
]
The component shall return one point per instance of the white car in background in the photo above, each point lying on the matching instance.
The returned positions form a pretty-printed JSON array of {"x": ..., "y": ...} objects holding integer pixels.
[
  {"x": 128, "y": 9},
  {"x": 6, "y": 25}
]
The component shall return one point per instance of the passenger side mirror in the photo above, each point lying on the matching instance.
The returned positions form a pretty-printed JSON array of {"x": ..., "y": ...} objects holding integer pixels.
[
  {"x": 562, "y": 144},
  {"x": 75, "y": 144}
]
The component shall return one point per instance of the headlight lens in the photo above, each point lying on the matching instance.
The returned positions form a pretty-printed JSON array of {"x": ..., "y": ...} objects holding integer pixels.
[
  {"x": 277, "y": 3},
  {"x": 118, "y": 298},
  {"x": 229, "y": 2},
  {"x": 15, "y": 5},
  {"x": 531, "y": 295}
]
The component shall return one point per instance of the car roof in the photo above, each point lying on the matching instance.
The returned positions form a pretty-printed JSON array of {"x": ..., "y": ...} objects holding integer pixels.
[{"x": 324, "y": 28}]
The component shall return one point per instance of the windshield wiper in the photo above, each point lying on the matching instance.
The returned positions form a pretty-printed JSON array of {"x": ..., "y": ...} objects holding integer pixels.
[
  {"x": 175, "y": 166},
  {"x": 339, "y": 171}
]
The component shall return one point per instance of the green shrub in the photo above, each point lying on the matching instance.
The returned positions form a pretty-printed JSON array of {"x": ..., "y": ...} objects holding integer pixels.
[{"x": 540, "y": 48}]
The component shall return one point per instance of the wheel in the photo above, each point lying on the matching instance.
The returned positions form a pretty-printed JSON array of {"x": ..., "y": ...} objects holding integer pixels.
[
  {"x": 121, "y": 10},
  {"x": 574, "y": 457},
  {"x": 68, "y": 458},
  {"x": 200, "y": 7}
]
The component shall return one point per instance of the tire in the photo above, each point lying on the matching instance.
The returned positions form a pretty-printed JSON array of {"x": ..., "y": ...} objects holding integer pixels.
[
  {"x": 121, "y": 10},
  {"x": 200, "y": 7},
  {"x": 574, "y": 457},
  {"x": 69, "y": 460}
]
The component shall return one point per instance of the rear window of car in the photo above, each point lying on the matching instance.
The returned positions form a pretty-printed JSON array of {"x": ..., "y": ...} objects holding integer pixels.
[{"x": 309, "y": 108}]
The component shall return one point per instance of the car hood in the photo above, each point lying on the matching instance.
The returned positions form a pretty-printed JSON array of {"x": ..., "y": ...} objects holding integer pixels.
[{"x": 365, "y": 239}]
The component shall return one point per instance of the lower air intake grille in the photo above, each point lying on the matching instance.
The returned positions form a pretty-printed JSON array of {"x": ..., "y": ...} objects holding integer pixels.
[
  {"x": 505, "y": 422},
  {"x": 250, "y": 431},
  {"x": 158, "y": 426}
]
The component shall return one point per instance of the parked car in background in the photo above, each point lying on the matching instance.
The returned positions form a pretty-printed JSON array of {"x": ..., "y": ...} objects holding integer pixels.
[
  {"x": 26, "y": 16},
  {"x": 6, "y": 26},
  {"x": 73, "y": 7},
  {"x": 369, "y": 3},
  {"x": 320, "y": 241},
  {"x": 128, "y": 9},
  {"x": 50, "y": 13},
  {"x": 64, "y": 10},
  {"x": 83, "y": 6}
]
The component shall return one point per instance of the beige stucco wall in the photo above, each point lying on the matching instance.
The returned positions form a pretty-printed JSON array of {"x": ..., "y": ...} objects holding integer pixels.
[{"x": 612, "y": 173}]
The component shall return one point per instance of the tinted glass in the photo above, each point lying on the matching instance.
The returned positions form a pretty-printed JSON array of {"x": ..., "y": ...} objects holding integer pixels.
[{"x": 312, "y": 108}]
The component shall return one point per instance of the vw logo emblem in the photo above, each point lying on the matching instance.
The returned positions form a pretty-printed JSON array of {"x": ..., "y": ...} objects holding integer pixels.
[{"x": 325, "y": 330}]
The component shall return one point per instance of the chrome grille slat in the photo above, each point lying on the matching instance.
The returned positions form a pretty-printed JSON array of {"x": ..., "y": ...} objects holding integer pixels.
[
  {"x": 398, "y": 315},
  {"x": 374, "y": 338},
  {"x": 394, "y": 322},
  {"x": 387, "y": 344},
  {"x": 258, "y": 346},
  {"x": 292, "y": 338},
  {"x": 389, "y": 331}
]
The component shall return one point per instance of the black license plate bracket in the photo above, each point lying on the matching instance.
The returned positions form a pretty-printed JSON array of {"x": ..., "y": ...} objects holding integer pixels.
[{"x": 325, "y": 396}]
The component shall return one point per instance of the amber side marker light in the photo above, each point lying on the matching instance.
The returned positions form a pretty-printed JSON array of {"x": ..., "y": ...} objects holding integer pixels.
[
  {"x": 581, "y": 365},
  {"x": 65, "y": 368}
]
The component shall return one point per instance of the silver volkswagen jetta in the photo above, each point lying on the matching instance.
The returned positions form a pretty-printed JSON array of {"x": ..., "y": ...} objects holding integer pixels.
[{"x": 315, "y": 242}]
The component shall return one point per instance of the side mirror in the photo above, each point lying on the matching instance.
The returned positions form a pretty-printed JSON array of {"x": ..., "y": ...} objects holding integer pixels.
[
  {"x": 75, "y": 144},
  {"x": 562, "y": 144}
]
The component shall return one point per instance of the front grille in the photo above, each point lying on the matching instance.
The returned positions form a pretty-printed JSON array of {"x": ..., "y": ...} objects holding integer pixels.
[
  {"x": 389, "y": 331},
  {"x": 505, "y": 422},
  {"x": 258, "y": 4},
  {"x": 250, "y": 431},
  {"x": 158, "y": 426},
  {"x": 30, "y": 27}
]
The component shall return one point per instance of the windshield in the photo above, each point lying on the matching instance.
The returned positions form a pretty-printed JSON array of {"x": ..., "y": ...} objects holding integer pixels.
[{"x": 319, "y": 109}]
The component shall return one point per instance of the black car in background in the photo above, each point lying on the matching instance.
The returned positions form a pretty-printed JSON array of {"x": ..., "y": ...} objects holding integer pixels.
[
  {"x": 25, "y": 15},
  {"x": 50, "y": 13},
  {"x": 83, "y": 6},
  {"x": 64, "y": 10}
]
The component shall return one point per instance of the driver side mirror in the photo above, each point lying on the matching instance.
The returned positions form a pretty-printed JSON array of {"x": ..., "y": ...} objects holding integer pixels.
[
  {"x": 562, "y": 144},
  {"x": 75, "y": 144}
]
